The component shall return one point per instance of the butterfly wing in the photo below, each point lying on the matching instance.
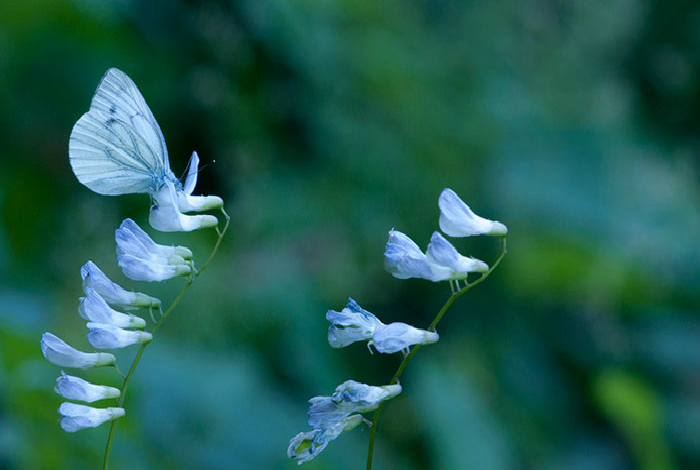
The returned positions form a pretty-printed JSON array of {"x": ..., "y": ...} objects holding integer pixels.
[{"x": 117, "y": 147}]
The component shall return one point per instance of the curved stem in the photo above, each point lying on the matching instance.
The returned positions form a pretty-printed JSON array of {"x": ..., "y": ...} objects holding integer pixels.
[
  {"x": 407, "y": 358},
  {"x": 139, "y": 353}
]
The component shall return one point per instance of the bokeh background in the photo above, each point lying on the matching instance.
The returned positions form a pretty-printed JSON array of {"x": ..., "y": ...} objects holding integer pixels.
[{"x": 330, "y": 122}]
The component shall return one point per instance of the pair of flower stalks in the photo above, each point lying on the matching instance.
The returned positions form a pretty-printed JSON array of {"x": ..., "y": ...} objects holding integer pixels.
[
  {"x": 141, "y": 259},
  {"x": 330, "y": 416}
]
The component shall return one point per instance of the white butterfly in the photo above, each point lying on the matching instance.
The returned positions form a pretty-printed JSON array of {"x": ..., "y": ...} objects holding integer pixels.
[{"x": 117, "y": 148}]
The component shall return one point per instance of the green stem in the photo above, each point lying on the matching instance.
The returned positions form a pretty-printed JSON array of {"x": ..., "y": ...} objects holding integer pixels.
[
  {"x": 139, "y": 353},
  {"x": 407, "y": 358}
]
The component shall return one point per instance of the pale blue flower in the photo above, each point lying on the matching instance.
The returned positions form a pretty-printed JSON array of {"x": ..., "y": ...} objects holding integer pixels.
[
  {"x": 458, "y": 220},
  {"x": 102, "y": 336},
  {"x": 349, "y": 397},
  {"x": 354, "y": 323},
  {"x": 77, "y": 417},
  {"x": 188, "y": 203},
  {"x": 351, "y": 324},
  {"x": 132, "y": 240},
  {"x": 57, "y": 352},
  {"x": 398, "y": 336},
  {"x": 166, "y": 215},
  {"x": 75, "y": 388},
  {"x": 139, "y": 269},
  {"x": 442, "y": 252},
  {"x": 112, "y": 293},
  {"x": 307, "y": 445},
  {"x": 404, "y": 260},
  {"x": 94, "y": 308}
]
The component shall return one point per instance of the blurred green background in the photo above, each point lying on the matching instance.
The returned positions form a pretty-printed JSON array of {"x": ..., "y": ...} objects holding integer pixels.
[{"x": 577, "y": 124}]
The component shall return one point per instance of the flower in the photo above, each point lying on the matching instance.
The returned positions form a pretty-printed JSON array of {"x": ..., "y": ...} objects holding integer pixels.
[
  {"x": 57, "y": 352},
  {"x": 93, "y": 308},
  {"x": 132, "y": 240},
  {"x": 397, "y": 336},
  {"x": 188, "y": 203},
  {"x": 139, "y": 269},
  {"x": 351, "y": 324},
  {"x": 442, "y": 252},
  {"x": 458, "y": 220},
  {"x": 103, "y": 336},
  {"x": 307, "y": 445},
  {"x": 404, "y": 260},
  {"x": 77, "y": 417},
  {"x": 354, "y": 323},
  {"x": 112, "y": 293},
  {"x": 349, "y": 397},
  {"x": 166, "y": 214},
  {"x": 75, "y": 388}
]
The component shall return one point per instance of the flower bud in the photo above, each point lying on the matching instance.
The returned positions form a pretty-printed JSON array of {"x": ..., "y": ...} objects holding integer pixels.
[
  {"x": 102, "y": 336},
  {"x": 94, "y": 308},
  {"x": 458, "y": 220},
  {"x": 57, "y": 352},
  {"x": 77, "y": 417},
  {"x": 75, "y": 388},
  {"x": 112, "y": 293}
]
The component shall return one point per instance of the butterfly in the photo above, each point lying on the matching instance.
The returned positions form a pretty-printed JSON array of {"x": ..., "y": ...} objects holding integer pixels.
[{"x": 117, "y": 147}]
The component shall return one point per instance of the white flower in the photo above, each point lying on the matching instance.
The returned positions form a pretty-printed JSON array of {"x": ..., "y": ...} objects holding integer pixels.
[
  {"x": 458, "y": 220},
  {"x": 75, "y": 388},
  {"x": 112, "y": 293},
  {"x": 442, "y": 252},
  {"x": 307, "y": 445},
  {"x": 77, "y": 417},
  {"x": 57, "y": 352},
  {"x": 132, "y": 240},
  {"x": 351, "y": 324},
  {"x": 94, "y": 308},
  {"x": 102, "y": 336},
  {"x": 349, "y": 397},
  {"x": 395, "y": 337},
  {"x": 139, "y": 269},
  {"x": 188, "y": 203},
  {"x": 166, "y": 215},
  {"x": 354, "y": 323},
  {"x": 404, "y": 260}
]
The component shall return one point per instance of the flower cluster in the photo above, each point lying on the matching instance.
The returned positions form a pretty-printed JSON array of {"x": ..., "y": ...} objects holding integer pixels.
[
  {"x": 404, "y": 259},
  {"x": 141, "y": 259},
  {"x": 330, "y": 416}
]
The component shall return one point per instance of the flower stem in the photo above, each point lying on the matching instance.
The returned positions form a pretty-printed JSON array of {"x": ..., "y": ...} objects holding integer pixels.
[
  {"x": 407, "y": 358},
  {"x": 139, "y": 353}
]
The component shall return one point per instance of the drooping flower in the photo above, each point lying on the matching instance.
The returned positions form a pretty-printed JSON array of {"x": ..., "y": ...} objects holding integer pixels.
[
  {"x": 112, "y": 293},
  {"x": 77, "y": 417},
  {"x": 94, "y": 308},
  {"x": 458, "y": 220},
  {"x": 349, "y": 397},
  {"x": 442, "y": 252},
  {"x": 75, "y": 388},
  {"x": 102, "y": 336},
  {"x": 139, "y": 269},
  {"x": 166, "y": 216},
  {"x": 354, "y": 323},
  {"x": 307, "y": 445},
  {"x": 351, "y": 324},
  {"x": 188, "y": 203},
  {"x": 398, "y": 336},
  {"x": 132, "y": 240},
  {"x": 57, "y": 352},
  {"x": 404, "y": 260}
]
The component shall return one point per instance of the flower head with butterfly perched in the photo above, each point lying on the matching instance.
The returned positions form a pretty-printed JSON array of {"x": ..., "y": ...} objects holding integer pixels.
[{"x": 118, "y": 148}]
